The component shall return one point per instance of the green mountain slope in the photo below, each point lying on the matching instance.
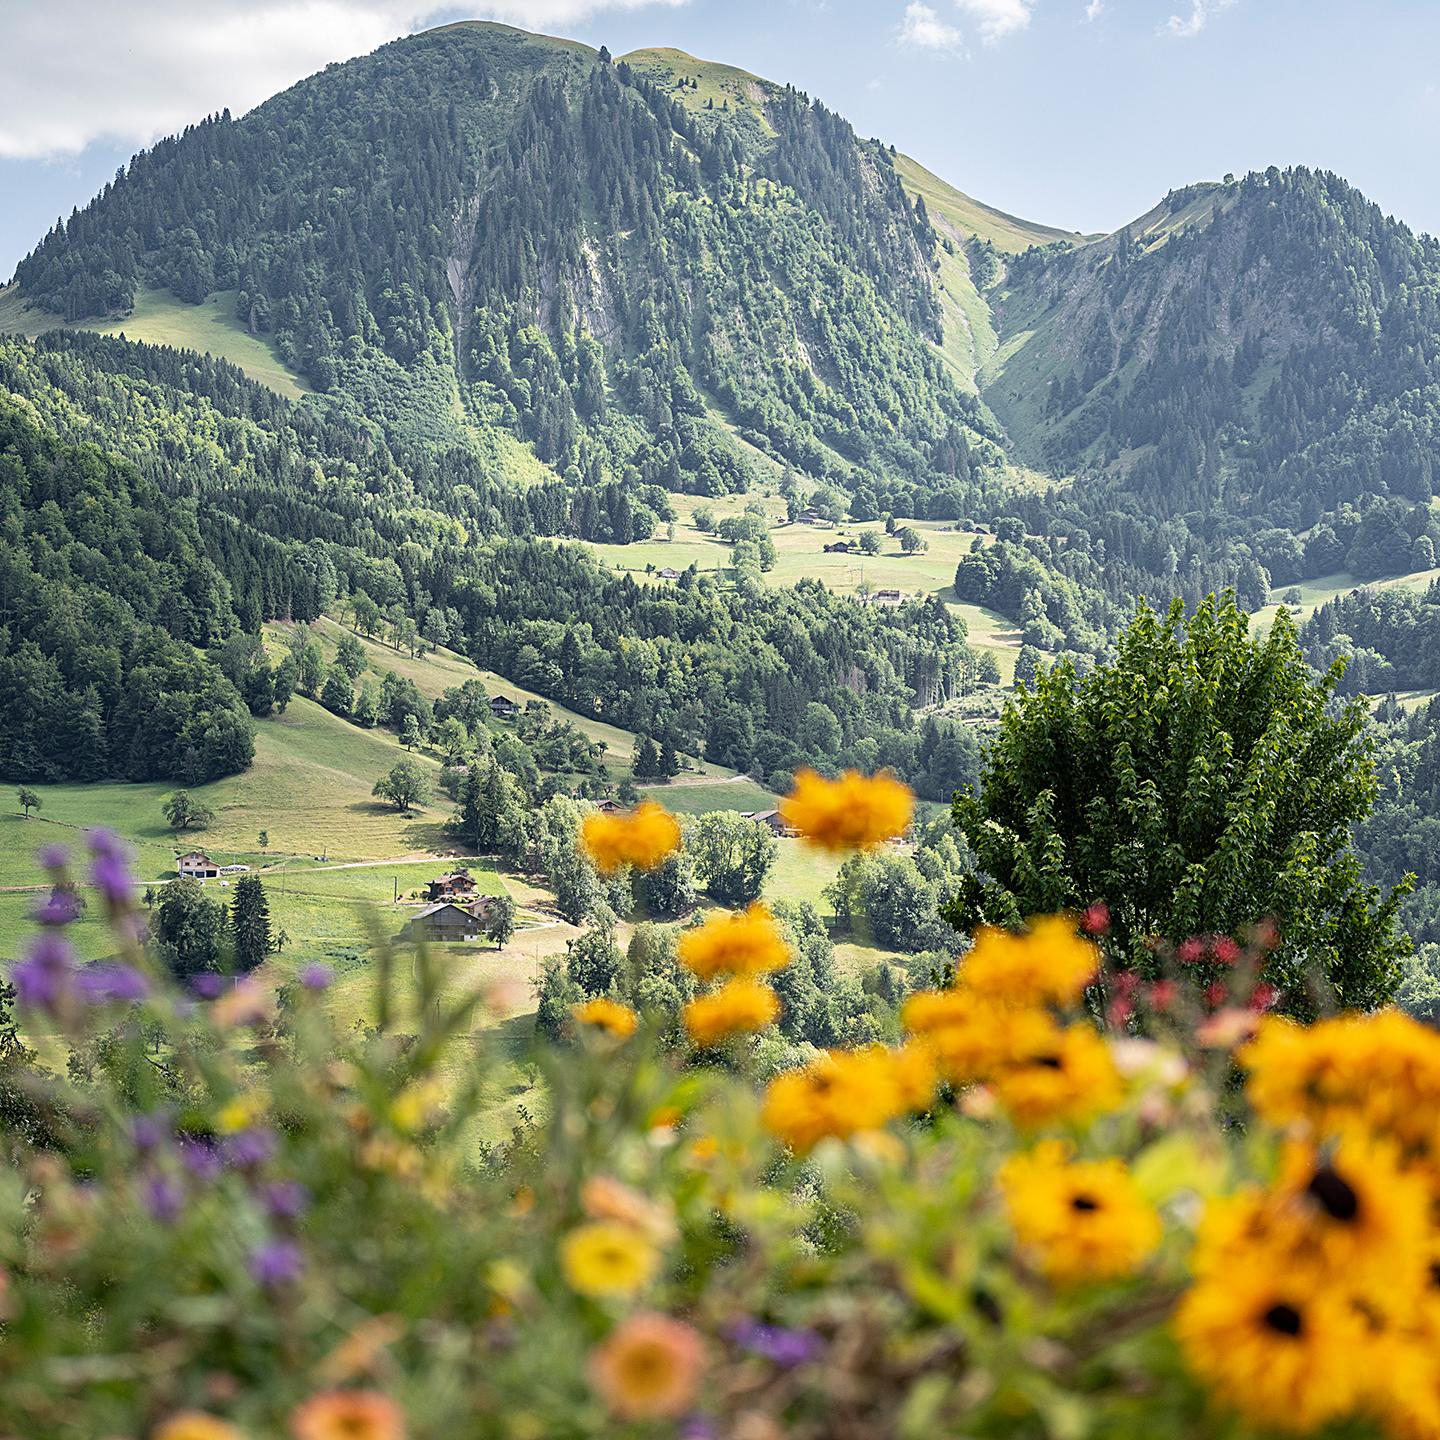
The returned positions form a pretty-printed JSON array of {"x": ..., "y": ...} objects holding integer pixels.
[
  {"x": 476, "y": 232},
  {"x": 1266, "y": 347}
]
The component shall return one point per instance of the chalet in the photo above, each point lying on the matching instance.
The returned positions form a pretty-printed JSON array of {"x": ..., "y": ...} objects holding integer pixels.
[
  {"x": 668, "y": 573},
  {"x": 444, "y": 921},
  {"x": 772, "y": 820},
  {"x": 609, "y": 807},
  {"x": 503, "y": 707},
  {"x": 197, "y": 865},
  {"x": 458, "y": 885},
  {"x": 809, "y": 517},
  {"x": 840, "y": 547},
  {"x": 887, "y": 599}
]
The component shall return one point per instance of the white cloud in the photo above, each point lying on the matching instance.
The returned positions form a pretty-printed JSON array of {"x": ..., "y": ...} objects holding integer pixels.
[
  {"x": 1093, "y": 9},
  {"x": 1186, "y": 27},
  {"x": 923, "y": 26},
  {"x": 997, "y": 18},
  {"x": 129, "y": 71}
]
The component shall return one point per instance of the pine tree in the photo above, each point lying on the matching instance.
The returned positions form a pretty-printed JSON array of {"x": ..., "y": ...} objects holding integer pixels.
[{"x": 249, "y": 924}]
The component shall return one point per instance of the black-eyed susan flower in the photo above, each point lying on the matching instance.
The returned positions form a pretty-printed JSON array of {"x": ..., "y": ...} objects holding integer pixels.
[
  {"x": 1285, "y": 1353},
  {"x": 607, "y": 1258},
  {"x": 854, "y": 812},
  {"x": 1081, "y": 1220},
  {"x": 643, "y": 838},
  {"x": 840, "y": 1094},
  {"x": 1050, "y": 963},
  {"x": 649, "y": 1368},
  {"x": 608, "y": 1015},
  {"x": 1065, "y": 1080},
  {"x": 740, "y": 1005},
  {"x": 972, "y": 1037},
  {"x": 747, "y": 942}
]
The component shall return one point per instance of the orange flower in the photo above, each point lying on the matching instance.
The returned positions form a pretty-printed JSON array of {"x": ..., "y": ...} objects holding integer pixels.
[
  {"x": 854, "y": 812},
  {"x": 196, "y": 1425},
  {"x": 1051, "y": 963},
  {"x": 740, "y": 1005},
  {"x": 607, "y": 1015},
  {"x": 348, "y": 1415},
  {"x": 1068, "y": 1080},
  {"x": 841, "y": 1093},
  {"x": 747, "y": 943},
  {"x": 644, "y": 838},
  {"x": 649, "y": 1369}
]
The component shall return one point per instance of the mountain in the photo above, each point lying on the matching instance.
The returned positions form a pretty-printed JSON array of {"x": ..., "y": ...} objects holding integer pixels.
[
  {"x": 1268, "y": 347},
  {"x": 654, "y": 271}
]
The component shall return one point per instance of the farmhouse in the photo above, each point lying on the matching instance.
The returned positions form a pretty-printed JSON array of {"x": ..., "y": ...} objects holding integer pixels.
[
  {"x": 503, "y": 707},
  {"x": 771, "y": 819},
  {"x": 669, "y": 572},
  {"x": 197, "y": 865},
  {"x": 458, "y": 885},
  {"x": 444, "y": 921},
  {"x": 840, "y": 547},
  {"x": 887, "y": 599}
]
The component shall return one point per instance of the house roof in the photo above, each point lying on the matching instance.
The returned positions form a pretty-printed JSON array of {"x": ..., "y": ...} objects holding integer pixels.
[
  {"x": 195, "y": 855},
  {"x": 426, "y": 911}
]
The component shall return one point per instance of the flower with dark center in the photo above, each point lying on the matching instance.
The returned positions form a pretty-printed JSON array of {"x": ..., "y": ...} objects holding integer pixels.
[
  {"x": 1284, "y": 1319},
  {"x": 1084, "y": 1203},
  {"x": 1333, "y": 1193},
  {"x": 1049, "y": 1062}
]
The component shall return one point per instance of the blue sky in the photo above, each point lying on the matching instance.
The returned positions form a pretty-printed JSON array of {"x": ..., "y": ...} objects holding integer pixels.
[{"x": 1078, "y": 113}]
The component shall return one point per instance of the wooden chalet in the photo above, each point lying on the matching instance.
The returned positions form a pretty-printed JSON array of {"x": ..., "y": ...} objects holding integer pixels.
[
  {"x": 197, "y": 865},
  {"x": 457, "y": 885}
]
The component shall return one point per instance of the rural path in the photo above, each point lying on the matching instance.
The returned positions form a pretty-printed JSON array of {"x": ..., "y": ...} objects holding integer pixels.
[{"x": 689, "y": 781}]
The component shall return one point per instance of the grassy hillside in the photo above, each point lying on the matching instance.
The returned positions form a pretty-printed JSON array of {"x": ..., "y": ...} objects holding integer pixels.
[
  {"x": 703, "y": 85},
  {"x": 161, "y": 319}
]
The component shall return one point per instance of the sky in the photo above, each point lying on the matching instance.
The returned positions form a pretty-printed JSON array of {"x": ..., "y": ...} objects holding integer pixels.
[{"x": 1074, "y": 113}]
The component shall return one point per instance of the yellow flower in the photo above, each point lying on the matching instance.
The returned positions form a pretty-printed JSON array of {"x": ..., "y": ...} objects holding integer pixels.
[
  {"x": 348, "y": 1415},
  {"x": 416, "y": 1106},
  {"x": 607, "y": 1015},
  {"x": 196, "y": 1425},
  {"x": 840, "y": 1094},
  {"x": 745, "y": 943},
  {"x": 1084, "y": 1220},
  {"x": 240, "y": 1113},
  {"x": 649, "y": 1369},
  {"x": 972, "y": 1037},
  {"x": 1381, "y": 1071},
  {"x": 605, "y": 1258},
  {"x": 1286, "y": 1354},
  {"x": 739, "y": 1005},
  {"x": 854, "y": 812},
  {"x": 644, "y": 838},
  {"x": 1345, "y": 1210},
  {"x": 1050, "y": 964},
  {"x": 1068, "y": 1080},
  {"x": 916, "y": 1074}
]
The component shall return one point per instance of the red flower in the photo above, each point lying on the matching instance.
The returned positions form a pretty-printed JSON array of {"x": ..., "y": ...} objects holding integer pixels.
[
  {"x": 1096, "y": 920},
  {"x": 1225, "y": 950},
  {"x": 1162, "y": 994},
  {"x": 1263, "y": 996},
  {"x": 1191, "y": 951}
]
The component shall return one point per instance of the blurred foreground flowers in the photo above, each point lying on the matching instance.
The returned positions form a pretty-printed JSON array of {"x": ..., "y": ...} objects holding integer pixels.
[{"x": 229, "y": 1218}]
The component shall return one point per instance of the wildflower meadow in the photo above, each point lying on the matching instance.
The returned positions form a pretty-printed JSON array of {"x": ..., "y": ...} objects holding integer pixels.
[{"x": 1071, "y": 1200}]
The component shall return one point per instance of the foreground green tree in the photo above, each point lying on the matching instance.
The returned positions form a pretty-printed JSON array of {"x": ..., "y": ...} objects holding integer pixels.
[{"x": 1203, "y": 782}]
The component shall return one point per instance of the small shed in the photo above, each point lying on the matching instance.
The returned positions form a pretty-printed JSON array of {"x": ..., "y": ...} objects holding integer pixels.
[
  {"x": 197, "y": 865},
  {"x": 503, "y": 707}
]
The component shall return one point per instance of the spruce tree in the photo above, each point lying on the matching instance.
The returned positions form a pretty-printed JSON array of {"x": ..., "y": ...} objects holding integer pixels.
[{"x": 249, "y": 924}]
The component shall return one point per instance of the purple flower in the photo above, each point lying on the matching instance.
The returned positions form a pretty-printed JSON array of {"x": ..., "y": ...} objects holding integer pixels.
[
  {"x": 60, "y": 908},
  {"x": 207, "y": 985},
  {"x": 53, "y": 857},
  {"x": 276, "y": 1263},
  {"x": 110, "y": 869},
  {"x": 43, "y": 976},
  {"x": 786, "y": 1348},
  {"x": 285, "y": 1199},
  {"x": 150, "y": 1132},
  {"x": 249, "y": 1148},
  {"x": 199, "y": 1157},
  {"x": 112, "y": 982},
  {"x": 698, "y": 1427},
  {"x": 163, "y": 1198},
  {"x": 316, "y": 977}
]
